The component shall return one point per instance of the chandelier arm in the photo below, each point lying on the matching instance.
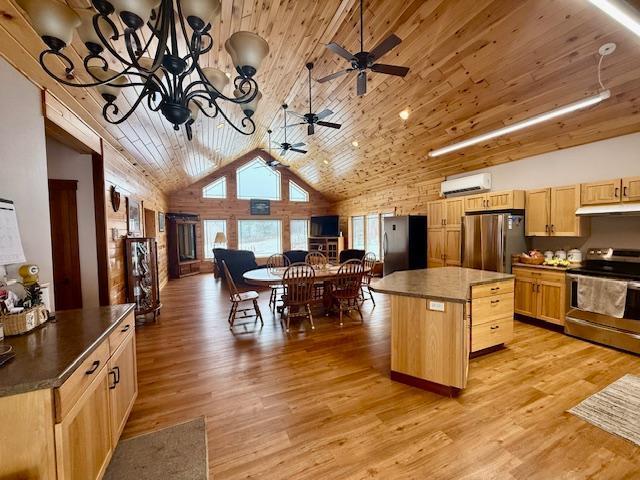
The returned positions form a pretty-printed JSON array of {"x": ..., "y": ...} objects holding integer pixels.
[
  {"x": 245, "y": 121},
  {"x": 114, "y": 108},
  {"x": 69, "y": 69},
  {"x": 151, "y": 98},
  {"x": 251, "y": 94},
  {"x": 216, "y": 108}
]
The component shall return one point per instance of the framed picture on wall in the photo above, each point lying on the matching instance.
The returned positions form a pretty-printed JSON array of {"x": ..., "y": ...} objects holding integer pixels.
[
  {"x": 134, "y": 217},
  {"x": 161, "y": 221}
]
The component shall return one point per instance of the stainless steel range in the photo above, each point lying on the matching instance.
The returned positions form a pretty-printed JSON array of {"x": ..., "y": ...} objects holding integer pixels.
[{"x": 612, "y": 263}]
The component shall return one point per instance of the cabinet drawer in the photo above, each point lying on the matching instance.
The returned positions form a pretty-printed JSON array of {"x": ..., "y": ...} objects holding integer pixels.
[
  {"x": 487, "y": 309},
  {"x": 72, "y": 389},
  {"x": 491, "y": 334},
  {"x": 120, "y": 333},
  {"x": 497, "y": 288}
]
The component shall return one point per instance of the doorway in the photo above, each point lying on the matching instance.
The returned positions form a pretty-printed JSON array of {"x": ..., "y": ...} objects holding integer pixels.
[
  {"x": 63, "y": 211},
  {"x": 150, "y": 223}
]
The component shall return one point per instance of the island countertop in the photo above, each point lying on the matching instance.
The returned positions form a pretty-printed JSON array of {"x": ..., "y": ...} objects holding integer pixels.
[
  {"x": 47, "y": 356},
  {"x": 450, "y": 284}
]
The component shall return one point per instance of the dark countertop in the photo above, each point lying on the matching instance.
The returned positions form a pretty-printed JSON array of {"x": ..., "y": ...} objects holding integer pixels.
[
  {"x": 47, "y": 356},
  {"x": 449, "y": 284},
  {"x": 545, "y": 267}
]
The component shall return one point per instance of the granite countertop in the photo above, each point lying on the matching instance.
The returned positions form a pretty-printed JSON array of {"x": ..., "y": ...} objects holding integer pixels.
[
  {"x": 450, "y": 284},
  {"x": 47, "y": 356}
]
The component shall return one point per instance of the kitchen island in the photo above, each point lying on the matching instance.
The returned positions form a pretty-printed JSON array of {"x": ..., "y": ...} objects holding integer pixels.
[{"x": 440, "y": 316}]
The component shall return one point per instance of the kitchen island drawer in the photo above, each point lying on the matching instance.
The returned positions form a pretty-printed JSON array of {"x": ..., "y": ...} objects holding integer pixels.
[
  {"x": 488, "y": 309},
  {"x": 491, "y": 334},
  {"x": 120, "y": 333},
  {"x": 489, "y": 289}
]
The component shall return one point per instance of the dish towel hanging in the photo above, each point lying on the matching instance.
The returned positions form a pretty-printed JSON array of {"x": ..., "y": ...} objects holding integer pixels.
[{"x": 602, "y": 295}]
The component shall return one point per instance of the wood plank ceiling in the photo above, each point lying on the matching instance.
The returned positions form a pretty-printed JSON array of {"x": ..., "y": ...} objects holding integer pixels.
[{"x": 475, "y": 66}]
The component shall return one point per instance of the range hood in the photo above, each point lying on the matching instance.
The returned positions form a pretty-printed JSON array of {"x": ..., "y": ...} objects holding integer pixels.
[{"x": 607, "y": 210}]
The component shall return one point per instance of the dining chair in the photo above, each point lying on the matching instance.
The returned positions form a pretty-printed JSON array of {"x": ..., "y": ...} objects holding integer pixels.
[
  {"x": 239, "y": 298},
  {"x": 299, "y": 285},
  {"x": 316, "y": 259},
  {"x": 275, "y": 262},
  {"x": 368, "y": 262},
  {"x": 346, "y": 288}
]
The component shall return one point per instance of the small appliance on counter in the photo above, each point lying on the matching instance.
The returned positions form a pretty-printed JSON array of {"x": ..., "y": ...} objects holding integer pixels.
[
  {"x": 612, "y": 318},
  {"x": 574, "y": 256}
]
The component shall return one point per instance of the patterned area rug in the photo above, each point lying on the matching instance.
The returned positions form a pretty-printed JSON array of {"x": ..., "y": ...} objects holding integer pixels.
[
  {"x": 615, "y": 409},
  {"x": 176, "y": 453}
]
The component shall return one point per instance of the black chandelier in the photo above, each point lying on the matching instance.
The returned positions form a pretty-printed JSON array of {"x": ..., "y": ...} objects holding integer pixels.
[{"x": 170, "y": 82}]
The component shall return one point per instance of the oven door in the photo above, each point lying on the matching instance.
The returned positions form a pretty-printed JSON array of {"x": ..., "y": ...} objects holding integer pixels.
[{"x": 631, "y": 320}]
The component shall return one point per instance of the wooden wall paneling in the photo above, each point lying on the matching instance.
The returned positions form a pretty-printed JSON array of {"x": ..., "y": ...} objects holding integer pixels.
[{"x": 58, "y": 113}]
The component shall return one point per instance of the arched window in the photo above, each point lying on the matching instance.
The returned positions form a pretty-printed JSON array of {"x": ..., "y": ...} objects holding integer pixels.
[
  {"x": 216, "y": 189},
  {"x": 297, "y": 193},
  {"x": 257, "y": 180}
]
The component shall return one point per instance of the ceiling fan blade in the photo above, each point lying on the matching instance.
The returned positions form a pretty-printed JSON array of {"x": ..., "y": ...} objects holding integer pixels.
[
  {"x": 335, "y": 75},
  {"x": 298, "y": 150},
  {"x": 283, "y": 151},
  {"x": 390, "y": 69},
  {"x": 294, "y": 124},
  {"x": 324, "y": 113},
  {"x": 299, "y": 144},
  {"x": 338, "y": 50},
  {"x": 295, "y": 114},
  {"x": 310, "y": 129},
  {"x": 362, "y": 83},
  {"x": 384, "y": 47},
  {"x": 329, "y": 124}
]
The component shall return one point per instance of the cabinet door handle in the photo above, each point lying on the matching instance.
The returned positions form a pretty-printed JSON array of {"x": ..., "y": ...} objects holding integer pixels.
[
  {"x": 615, "y": 193},
  {"x": 546, "y": 228},
  {"x": 495, "y": 327},
  {"x": 553, "y": 228},
  {"x": 115, "y": 379},
  {"x": 493, "y": 302},
  {"x": 125, "y": 328},
  {"x": 117, "y": 370},
  {"x": 624, "y": 192},
  {"x": 93, "y": 368},
  {"x": 495, "y": 289}
]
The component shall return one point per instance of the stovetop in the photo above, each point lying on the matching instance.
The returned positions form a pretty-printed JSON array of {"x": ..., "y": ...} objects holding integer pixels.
[{"x": 611, "y": 262}]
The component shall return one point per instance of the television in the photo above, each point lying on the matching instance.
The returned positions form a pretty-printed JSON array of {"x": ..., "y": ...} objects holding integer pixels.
[{"x": 325, "y": 226}]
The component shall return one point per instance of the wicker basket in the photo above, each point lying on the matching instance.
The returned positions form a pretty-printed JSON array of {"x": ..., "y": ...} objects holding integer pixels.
[
  {"x": 25, "y": 321},
  {"x": 532, "y": 261}
]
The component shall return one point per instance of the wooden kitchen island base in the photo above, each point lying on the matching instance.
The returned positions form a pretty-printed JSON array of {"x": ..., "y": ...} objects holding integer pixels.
[{"x": 439, "y": 317}]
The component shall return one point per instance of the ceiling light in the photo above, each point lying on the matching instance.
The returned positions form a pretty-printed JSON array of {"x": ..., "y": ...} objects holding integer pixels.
[
  {"x": 220, "y": 125},
  {"x": 404, "y": 114},
  {"x": 621, "y": 13},
  {"x": 543, "y": 117},
  {"x": 355, "y": 143},
  {"x": 326, "y": 162}
]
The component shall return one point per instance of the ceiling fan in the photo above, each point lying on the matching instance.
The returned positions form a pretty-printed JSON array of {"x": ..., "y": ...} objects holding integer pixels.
[
  {"x": 285, "y": 146},
  {"x": 363, "y": 61},
  {"x": 311, "y": 119},
  {"x": 274, "y": 163}
]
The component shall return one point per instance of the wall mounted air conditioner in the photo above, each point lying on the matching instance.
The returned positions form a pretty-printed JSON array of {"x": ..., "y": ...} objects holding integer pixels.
[{"x": 466, "y": 185}]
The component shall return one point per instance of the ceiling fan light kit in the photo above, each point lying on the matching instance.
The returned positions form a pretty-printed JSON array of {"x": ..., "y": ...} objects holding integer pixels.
[{"x": 168, "y": 78}]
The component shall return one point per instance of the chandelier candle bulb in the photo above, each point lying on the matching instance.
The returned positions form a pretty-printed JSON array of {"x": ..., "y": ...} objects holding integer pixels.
[{"x": 543, "y": 117}]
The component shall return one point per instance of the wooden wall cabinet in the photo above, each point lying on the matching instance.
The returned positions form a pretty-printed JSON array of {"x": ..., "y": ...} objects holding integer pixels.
[
  {"x": 330, "y": 247},
  {"x": 181, "y": 244},
  {"x": 444, "y": 229},
  {"x": 540, "y": 294},
  {"x": 507, "y": 200},
  {"x": 611, "y": 191},
  {"x": 551, "y": 212}
]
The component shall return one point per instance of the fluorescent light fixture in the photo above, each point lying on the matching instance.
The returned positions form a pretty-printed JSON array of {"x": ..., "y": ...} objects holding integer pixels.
[
  {"x": 621, "y": 12},
  {"x": 543, "y": 117}
]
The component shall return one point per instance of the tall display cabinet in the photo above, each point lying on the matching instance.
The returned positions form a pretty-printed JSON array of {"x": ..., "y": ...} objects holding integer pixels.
[{"x": 143, "y": 285}]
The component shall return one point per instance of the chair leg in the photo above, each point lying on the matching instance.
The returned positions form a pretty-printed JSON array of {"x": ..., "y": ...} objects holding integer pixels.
[
  {"x": 272, "y": 303},
  {"x": 360, "y": 312},
  {"x": 371, "y": 296},
  {"x": 340, "y": 313},
  {"x": 313, "y": 327},
  {"x": 232, "y": 314},
  {"x": 288, "y": 318},
  {"x": 258, "y": 312}
]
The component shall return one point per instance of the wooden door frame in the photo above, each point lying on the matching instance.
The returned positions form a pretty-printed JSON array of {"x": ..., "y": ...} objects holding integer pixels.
[{"x": 100, "y": 205}]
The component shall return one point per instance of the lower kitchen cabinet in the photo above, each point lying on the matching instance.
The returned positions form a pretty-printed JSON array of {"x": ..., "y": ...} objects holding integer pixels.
[
  {"x": 123, "y": 388},
  {"x": 491, "y": 315},
  {"x": 540, "y": 293}
]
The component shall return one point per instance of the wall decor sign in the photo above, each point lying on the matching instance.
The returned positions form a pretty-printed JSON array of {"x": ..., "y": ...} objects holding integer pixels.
[
  {"x": 115, "y": 198},
  {"x": 134, "y": 217},
  {"x": 161, "y": 221},
  {"x": 260, "y": 207}
]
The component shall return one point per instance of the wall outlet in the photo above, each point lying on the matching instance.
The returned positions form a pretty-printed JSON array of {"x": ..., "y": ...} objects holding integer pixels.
[{"x": 435, "y": 306}]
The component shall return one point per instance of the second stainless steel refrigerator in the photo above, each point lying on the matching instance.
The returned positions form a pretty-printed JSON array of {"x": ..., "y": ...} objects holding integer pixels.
[
  {"x": 488, "y": 241},
  {"x": 404, "y": 243}
]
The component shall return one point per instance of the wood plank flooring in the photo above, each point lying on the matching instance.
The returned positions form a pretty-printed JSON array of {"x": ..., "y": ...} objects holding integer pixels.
[{"x": 320, "y": 405}]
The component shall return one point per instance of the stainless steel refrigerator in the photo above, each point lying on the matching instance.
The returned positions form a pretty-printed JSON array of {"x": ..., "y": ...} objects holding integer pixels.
[
  {"x": 404, "y": 243},
  {"x": 488, "y": 241}
]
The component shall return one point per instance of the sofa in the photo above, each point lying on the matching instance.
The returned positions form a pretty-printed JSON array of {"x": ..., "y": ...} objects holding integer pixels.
[{"x": 238, "y": 262}]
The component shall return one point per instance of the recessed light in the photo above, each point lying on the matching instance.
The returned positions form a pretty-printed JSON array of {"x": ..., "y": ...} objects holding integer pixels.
[
  {"x": 220, "y": 125},
  {"x": 404, "y": 114},
  {"x": 326, "y": 162},
  {"x": 355, "y": 143}
]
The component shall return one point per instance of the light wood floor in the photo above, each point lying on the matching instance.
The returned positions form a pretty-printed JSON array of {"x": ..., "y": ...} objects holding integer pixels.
[{"x": 320, "y": 405}]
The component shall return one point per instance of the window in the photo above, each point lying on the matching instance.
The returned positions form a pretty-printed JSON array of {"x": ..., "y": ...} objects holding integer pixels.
[
  {"x": 357, "y": 232},
  {"x": 211, "y": 229},
  {"x": 216, "y": 189},
  {"x": 263, "y": 237},
  {"x": 257, "y": 180},
  {"x": 373, "y": 234},
  {"x": 299, "y": 234},
  {"x": 297, "y": 193}
]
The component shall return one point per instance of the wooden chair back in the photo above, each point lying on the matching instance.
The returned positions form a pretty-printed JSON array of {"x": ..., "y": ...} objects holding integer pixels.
[
  {"x": 231, "y": 285},
  {"x": 277, "y": 260},
  {"x": 368, "y": 262},
  {"x": 349, "y": 280},
  {"x": 316, "y": 258},
  {"x": 299, "y": 283}
]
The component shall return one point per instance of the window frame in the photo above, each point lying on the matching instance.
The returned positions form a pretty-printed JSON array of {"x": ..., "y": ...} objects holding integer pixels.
[
  {"x": 208, "y": 251},
  {"x": 293, "y": 185},
  {"x": 378, "y": 217},
  {"x": 222, "y": 180},
  {"x": 308, "y": 222},
  {"x": 248, "y": 165},
  {"x": 364, "y": 231},
  {"x": 253, "y": 219}
]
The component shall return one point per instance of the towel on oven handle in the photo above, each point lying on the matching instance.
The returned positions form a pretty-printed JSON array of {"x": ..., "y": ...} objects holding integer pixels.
[{"x": 602, "y": 295}]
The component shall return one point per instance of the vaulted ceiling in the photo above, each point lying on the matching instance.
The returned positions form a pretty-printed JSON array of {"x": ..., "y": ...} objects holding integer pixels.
[{"x": 475, "y": 65}]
